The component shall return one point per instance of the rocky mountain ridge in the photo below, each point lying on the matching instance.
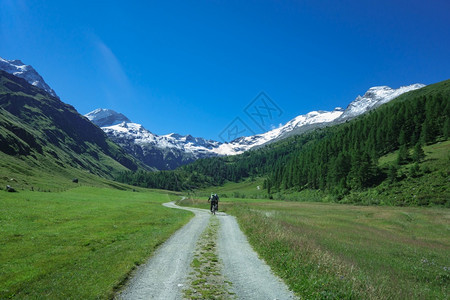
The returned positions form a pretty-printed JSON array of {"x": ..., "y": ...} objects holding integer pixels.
[{"x": 27, "y": 72}]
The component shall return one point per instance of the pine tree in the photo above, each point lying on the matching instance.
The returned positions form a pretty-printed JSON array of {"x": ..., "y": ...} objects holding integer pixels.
[
  {"x": 402, "y": 138},
  {"x": 269, "y": 186},
  {"x": 403, "y": 155},
  {"x": 418, "y": 153},
  {"x": 363, "y": 171}
]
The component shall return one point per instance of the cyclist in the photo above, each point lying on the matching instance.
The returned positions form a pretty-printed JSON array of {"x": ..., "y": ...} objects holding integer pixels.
[{"x": 214, "y": 200}]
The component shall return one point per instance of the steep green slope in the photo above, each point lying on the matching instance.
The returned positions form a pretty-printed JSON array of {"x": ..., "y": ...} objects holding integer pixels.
[{"x": 43, "y": 139}]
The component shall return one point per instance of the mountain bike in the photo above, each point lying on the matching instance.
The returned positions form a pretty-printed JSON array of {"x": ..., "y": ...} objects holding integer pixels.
[{"x": 214, "y": 208}]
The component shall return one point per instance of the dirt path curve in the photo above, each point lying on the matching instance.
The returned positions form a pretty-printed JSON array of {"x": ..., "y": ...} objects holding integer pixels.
[{"x": 165, "y": 275}]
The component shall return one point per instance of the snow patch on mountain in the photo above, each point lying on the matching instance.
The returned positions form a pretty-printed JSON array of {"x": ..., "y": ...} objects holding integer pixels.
[
  {"x": 118, "y": 127},
  {"x": 373, "y": 98},
  {"x": 106, "y": 117},
  {"x": 243, "y": 144},
  {"x": 198, "y": 147},
  {"x": 27, "y": 72}
]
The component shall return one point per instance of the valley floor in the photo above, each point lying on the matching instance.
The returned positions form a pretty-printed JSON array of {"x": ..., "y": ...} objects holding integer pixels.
[{"x": 84, "y": 242}]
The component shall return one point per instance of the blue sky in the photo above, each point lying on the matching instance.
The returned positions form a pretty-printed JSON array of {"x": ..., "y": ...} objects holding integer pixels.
[{"x": 192, "y": 67}]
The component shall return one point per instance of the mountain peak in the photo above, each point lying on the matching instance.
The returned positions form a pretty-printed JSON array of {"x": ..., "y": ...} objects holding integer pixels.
[
  {"x": 103, "y": 117},
  {"x": 374, "y": 97},
  {"x": 17, "y": 68}
]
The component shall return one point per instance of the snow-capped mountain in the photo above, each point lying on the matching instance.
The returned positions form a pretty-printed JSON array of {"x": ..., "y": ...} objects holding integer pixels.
[
  {"x": 27, "y": 72},
  {"x": 305, "y": 122},
  {"x": 163, "y": 152},
  {"x": 173, "y": 150},
  {"x": 373, "y": 98},
  {"x": 198, "y": 147}
]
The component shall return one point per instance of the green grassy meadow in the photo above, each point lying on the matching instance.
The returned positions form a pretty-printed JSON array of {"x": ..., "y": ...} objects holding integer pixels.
[
  {"x": 338, "y": 251},
  {"x": 81, "y": 243}
]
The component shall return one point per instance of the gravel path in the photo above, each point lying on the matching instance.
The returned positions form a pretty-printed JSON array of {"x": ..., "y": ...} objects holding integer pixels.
[{"x": 164, "y": 276}]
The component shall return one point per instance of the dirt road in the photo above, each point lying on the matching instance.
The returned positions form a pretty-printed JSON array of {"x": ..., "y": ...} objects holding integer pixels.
[
  {"x": 164, "y": 276},
  {"x": 251, "y": 276}
]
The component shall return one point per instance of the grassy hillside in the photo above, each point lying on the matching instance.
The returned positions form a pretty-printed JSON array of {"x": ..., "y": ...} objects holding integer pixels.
[
  {"x": 338, "y": 251},
  {"x": 414, "y": 183},
  {"x": 81, "y": 243},
  {"x": 46, "y": 175},
  {"x": 38, "y": 132}
]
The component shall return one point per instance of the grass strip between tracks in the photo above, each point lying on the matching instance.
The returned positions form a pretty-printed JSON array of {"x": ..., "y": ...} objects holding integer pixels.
[{"x": 206, "y": 279}]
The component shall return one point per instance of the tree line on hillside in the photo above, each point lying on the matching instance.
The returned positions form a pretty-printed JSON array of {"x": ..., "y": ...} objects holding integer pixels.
[
  {"x": 336, "y": 159},
  {"x": 346, "y": 158}
]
